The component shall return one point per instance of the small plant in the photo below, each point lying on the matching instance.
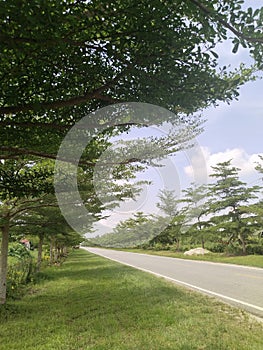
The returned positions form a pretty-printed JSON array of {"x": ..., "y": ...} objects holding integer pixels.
[
  {"x": 18, "y": 250},
  {"x": 20, "y": 269}
]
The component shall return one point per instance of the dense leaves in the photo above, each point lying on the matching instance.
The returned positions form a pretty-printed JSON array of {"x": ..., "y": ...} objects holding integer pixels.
[{"x": 60, "y": 60}]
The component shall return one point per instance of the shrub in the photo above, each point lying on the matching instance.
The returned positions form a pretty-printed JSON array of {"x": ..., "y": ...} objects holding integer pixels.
[
  {"x": 20, "y": 269},
  {"x": 216, "y": 247},
  {"x": 19, "y": 251},
  {"x": 233, "y": 249},
  {"x": 255, "y": 249}
]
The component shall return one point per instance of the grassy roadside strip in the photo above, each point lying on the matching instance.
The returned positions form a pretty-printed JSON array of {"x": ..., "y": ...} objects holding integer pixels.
[
  {"x": 93, "y": 303},
  {"x": 246, "y": 260}
]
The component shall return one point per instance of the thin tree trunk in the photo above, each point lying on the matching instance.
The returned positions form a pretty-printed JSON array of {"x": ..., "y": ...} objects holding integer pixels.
[
  {"x": 51, "y": 250},
  {"x": 3, "y": 261},
  {"x": 178, "y": 244},
  {"x": 40, "y": 250},
  {"x": 243, "y": 244},
  {"x": 55, "y": 253}
]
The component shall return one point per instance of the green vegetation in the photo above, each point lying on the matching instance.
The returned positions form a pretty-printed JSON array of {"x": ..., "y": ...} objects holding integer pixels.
[
  {"x": 21, "y": 268},
  {"x": 93, "y": 303},
  {"x": 63, "y": 60},
  {"x": 224, "y": 216}
]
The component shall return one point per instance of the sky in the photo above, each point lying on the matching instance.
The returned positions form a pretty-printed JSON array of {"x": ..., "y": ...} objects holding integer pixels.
[{"x": 232, "y": 131}]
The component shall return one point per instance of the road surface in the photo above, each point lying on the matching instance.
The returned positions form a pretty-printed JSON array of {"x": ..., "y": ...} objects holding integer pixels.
[{"x": 237, "y": 285}]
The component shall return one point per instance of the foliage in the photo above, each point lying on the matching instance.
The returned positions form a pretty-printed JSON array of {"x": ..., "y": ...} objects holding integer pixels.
[
  {"x": 228, "y": 197},
  {"x": 61, "y": 60},
  {"x": 19, "y": 251},
  {"x": 168, "y": 202},
  {"x": 224, "y": 216},
  {"x": 25, "y": 177},
  {"x": 20, "y": 269},
  {"x": 129, "y": 233}
]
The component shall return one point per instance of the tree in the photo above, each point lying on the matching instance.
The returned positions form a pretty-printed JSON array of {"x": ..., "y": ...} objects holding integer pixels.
[
  {"x": 229, "y": 195},
  {"x": 168, "y": 203},
  {"x": 128, "y": 233},
  {"x": 259, "y": 165},
  {"x": 170, "y": 226},
  {"x": 61, "y": 60},
  {"x": 25, "y": 184},
  {"x": 197, "y": 208},
  {"x": 47, "y": 224},
  {"x": 10, "y": 211}
]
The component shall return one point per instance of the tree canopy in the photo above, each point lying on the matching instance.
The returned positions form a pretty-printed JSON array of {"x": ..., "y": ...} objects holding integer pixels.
[{"x": 61, "y": 60}]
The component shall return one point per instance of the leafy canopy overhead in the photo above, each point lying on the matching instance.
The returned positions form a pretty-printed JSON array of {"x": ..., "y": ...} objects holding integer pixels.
[{"x": 60, "y": 60}]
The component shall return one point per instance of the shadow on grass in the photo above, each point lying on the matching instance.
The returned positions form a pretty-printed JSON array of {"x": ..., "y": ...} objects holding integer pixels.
[
  {"x": 84, "y": 266},
  {"x": 94, "y": 303}
]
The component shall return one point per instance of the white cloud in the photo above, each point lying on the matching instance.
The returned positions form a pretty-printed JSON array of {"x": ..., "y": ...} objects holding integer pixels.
[{"x": 240, "y": 159}]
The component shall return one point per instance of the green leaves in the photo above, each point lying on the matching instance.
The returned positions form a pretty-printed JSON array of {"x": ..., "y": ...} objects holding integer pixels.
[
  {"x": 25, "y": 178},
  {"x": 235, "y": 48}
]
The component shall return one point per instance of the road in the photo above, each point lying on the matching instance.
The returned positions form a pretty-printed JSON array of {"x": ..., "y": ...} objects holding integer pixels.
[{"x": 237, "y": 285}]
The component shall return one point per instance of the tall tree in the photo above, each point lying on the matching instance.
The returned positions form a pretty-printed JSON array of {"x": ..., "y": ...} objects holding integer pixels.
[
  {"x": 170, "y": 226},
  {"x": 229, "y": 194},
  {"x": 168, "y": 202},
  {"x": 197, "y": 206}
]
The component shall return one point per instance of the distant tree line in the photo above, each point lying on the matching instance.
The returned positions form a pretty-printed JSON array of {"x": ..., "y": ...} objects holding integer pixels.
[{"x": 225, "y": 215}]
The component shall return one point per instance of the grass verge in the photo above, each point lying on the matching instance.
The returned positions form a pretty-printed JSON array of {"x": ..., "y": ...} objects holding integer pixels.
[
  {"x": 94, "y": 303},
  {"x": 246, "y": 260}
]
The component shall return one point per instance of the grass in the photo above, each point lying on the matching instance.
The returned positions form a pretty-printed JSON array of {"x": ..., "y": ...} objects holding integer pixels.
[
  {"x": 247, "y": 260},
  {"x": 94, "y": 303}
]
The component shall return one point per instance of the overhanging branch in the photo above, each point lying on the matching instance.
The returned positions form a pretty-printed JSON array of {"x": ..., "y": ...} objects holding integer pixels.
[
  {"x": 227, "y": 25},
  {"x": 16, "y": 151}
]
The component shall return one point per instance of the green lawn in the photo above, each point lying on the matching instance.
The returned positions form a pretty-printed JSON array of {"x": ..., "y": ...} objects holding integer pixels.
[
  {"x": 94, "y": 303},
  {"x": 247, "y": 260}
]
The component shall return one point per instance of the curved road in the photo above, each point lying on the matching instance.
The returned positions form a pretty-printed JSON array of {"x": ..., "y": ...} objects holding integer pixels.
[{"x": 238, "y": 285}]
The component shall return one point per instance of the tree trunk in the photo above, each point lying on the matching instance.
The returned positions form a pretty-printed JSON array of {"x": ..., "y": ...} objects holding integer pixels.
[
  {"x": 40, "y": 250},
  {"x": 203, "y": 243},
  {"x": 178, "y": 244},
  {"x": 3, "y": 261},
  {"x": 243, "y": 244},
  {"x": 51, "y": 250}
]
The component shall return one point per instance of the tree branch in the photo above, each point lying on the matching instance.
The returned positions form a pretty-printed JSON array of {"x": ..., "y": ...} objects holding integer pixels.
[
  {"x": 35, "y": 125},
  {"x": 227, "y": 25},
  {"x": 74, "y": 101},
  {"x": 61, "y": 127},
  {"x": 19, "y": 151}
]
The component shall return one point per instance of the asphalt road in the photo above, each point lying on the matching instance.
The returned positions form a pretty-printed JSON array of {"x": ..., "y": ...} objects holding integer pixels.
[{"x": 237, "y": 285}]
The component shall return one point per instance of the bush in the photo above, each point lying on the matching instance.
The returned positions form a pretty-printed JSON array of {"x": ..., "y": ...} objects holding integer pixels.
[
  {"x": 255, "y": 249},
  {"x": 216, "y": 247},
  {"x": 19, "y": 251},
  {"x": 20, "y": 269},
  {"x": 160, "y": 246},
  {"x": 233, "y": 249}
]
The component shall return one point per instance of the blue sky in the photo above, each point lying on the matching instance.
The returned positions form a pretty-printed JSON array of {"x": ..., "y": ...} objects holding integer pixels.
[
  {"x": 232, "y": 131},
  {"x": 237, "y": 125}
]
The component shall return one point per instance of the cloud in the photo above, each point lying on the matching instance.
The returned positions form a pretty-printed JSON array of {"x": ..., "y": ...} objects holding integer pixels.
[{"x": 240, "y": 159}]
